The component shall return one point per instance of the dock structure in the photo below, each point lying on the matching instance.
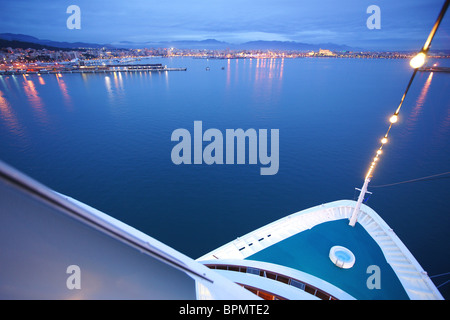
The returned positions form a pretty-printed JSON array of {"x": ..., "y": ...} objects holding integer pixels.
[
  {"x": 435, "y": 69},
  {"x": 93, "y": 69}
]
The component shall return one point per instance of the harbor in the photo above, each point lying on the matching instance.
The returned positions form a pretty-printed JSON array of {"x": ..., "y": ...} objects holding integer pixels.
[{"x": 76, "y": 68}]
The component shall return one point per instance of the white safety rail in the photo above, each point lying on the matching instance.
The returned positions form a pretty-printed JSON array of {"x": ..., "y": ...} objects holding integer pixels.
[
  {"x": 43, "y": 230},
  {"x": 413, "y": 277}
]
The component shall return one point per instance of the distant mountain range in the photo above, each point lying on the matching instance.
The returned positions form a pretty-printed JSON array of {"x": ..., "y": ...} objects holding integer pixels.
[
  {"x": 251, "y": 45},
  {"x": 22, "y": 40},
  {"x": 12, "y": 37}
]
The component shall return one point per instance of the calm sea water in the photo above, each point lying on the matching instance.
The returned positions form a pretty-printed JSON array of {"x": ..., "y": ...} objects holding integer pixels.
[{"x": 105, "y": 139}]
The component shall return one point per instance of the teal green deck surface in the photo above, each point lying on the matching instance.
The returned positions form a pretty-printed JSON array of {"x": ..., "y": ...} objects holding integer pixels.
[{"x": 308, "y": 252}]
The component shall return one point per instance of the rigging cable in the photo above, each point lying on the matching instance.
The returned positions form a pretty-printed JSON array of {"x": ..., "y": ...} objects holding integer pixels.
[
  {"x": 439, "y": 275},
  {"x": 427, "y": 178}
]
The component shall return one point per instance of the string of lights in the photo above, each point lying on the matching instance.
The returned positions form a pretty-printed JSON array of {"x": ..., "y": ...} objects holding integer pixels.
[{"x": 416, "y": 62}]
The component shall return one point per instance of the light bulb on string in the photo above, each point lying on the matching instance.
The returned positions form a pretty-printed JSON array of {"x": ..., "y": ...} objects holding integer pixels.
[
  {"x": 418, "y": 60},
  {"x": 393, "y": 119}
]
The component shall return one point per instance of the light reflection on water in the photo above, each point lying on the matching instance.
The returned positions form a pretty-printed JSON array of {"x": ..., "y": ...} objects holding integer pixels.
[
  {"x": 35, "y": 100},
  {"x": 64, "y": 91},
  {"x": 8, "y": 116},
  {"x": 413, "y": 118}
]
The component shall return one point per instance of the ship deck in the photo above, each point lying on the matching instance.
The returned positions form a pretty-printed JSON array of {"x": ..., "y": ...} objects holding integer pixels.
[
  {"x": 302, "y": 242},
  {"x": 308, "y": 251}
]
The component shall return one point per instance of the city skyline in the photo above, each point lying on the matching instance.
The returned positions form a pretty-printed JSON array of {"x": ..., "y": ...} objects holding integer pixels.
[{"x": 403, "y": 24}]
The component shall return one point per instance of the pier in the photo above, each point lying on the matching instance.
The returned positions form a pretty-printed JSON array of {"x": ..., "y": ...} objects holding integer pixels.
[
  {"x": 92, "y": 69},
  {"x": 435, "y": 69}
]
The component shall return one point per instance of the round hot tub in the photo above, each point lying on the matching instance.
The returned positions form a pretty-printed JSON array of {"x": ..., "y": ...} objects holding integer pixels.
[{"x": 342, "y": 257}]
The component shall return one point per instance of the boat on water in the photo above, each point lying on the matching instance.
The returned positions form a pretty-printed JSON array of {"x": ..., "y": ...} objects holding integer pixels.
[{"x": 55, "y": 247}]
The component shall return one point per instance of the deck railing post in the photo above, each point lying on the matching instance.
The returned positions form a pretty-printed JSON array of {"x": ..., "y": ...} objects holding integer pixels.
[{"x": 355, "y": 213}]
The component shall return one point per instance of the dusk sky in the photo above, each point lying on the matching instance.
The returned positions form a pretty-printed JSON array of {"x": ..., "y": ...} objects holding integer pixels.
[{"x": 405, "y": 24}]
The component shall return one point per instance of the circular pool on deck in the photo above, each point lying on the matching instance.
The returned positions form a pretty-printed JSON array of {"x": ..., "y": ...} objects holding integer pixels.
[{"x": 342, "y": 257}]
